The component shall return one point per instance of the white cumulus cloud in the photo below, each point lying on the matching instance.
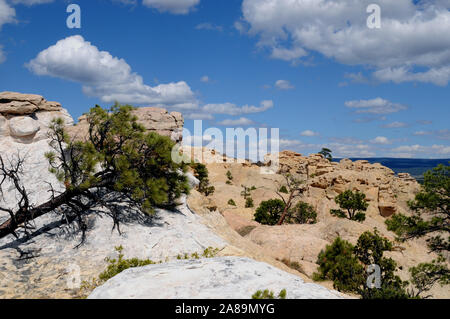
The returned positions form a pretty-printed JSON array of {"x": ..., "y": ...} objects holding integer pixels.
[
  {"x": 413, "y": 43},
  {"x": 7, "y": 13},
  {"x": 172, "y": 6},
  {"x": 284, "y": 85},
  {"x": 107, "y": 77},
  {"x": 233, "y": 109},
  {"x": 381, "y": 140},
  {"x": 375, "y": 106}
]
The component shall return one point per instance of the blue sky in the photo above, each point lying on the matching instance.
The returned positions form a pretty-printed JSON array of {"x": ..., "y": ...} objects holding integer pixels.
[{"x": 313, "y": 69}]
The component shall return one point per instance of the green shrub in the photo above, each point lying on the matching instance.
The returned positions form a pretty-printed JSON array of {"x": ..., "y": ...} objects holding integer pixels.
[
  {"x": 244, "y": 231},
  {"x": 201, "y": 173},
  {"x": 338, "y": 264},
  {"x": 269, "y": 212},
  {"x": 302, "y": 213},
  {"x": 345, "y": 265},
  {"x": 352, "y": 205},
  {"x": 369, "y": 250},
  {"x": 207, "y": 253},
  {"x": 293, "y": 265},
  {"x": 266, "y": 294},
  {"x": 283, "y": 190},
  {"x": 231, "y": 202},
  {"x": 249, "y": 202},
  {"x": 326, "y": 153},
  {"x": 116, "y": 266},
  {"x": 229, "y": 177}
]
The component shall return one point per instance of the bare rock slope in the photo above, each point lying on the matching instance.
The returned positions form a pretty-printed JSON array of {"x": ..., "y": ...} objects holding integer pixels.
[{"x": 214, "y": 278}]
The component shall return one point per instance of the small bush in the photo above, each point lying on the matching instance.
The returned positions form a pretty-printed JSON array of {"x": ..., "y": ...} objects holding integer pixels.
[
  {"x": 352, "y": 205},
  {"x": 231, "y": 202},
  {"x": 201, "y": 173},
  {"x": 302, "y": 213},
  {"x": 293, "y": 265},
  {"x": 244, "y": 231},
  {"x": 283, "y": 190},
  {"x": 345, "y": 265},
  {"x": 266, "y": 294},
  {"x": 229, "y": 177},
  {"x": 116, "y": 266},
  {"x": 269, "y": 212},
  {"x": 338, "y": 264},
  {"x": 207, "y": 253},
  {"x": 249, "y": 202}
]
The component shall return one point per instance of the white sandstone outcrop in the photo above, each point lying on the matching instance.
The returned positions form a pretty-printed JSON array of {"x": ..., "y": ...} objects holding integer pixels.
[
  {"x": 25, "y": 118},
  {"x": 214, "y": 278}
]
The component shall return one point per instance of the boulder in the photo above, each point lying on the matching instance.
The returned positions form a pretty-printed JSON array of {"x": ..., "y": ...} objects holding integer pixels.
[
  {"x": 214, "y": 278},
  {"x": 26, "y": 117},
  {"x": 23, "y": 126}
]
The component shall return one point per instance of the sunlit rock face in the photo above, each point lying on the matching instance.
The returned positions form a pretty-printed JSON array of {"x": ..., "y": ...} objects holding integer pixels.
[{"x": 215, "y": 278}]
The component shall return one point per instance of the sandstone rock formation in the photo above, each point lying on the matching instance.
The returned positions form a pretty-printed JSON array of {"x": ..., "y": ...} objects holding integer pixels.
[
  {"x": 383, "y": 189},
  {"x": 154, "y": 119},
  {"x": 215, "y": 278},
  {"x": 24, "y": 118},
  {"x": 386, "y": 194}
]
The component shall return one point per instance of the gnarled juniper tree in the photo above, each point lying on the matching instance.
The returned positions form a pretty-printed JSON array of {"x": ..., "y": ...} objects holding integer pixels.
[{"x": 119, "y": 166}]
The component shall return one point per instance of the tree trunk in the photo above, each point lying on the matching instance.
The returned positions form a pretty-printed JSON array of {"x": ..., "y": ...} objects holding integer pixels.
[
  {"x": 286, "y": 209},
  {"x": 23, "y": 216}
]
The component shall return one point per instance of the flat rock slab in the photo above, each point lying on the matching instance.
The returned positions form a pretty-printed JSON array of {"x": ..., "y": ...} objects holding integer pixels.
[{"x": 221, "y": 277}]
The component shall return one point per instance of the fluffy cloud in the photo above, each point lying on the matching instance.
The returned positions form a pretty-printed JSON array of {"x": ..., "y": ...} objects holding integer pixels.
[
  {"x": 233, "y": 109},
  {"x": 7, "y": 13},
  {"x": 284, "y": 85},
  {"x": 172, "y": 6},
  {"x": 413, "y": 43},
  {"x": 309, "y": 133},
  {"x": 381, "y": 140},
  {"x": 243, "y": 121},
  {"x": 106, "y": 77},
  {"x": 375, "y": 106},
  {"x": 288, "y": 54}
]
